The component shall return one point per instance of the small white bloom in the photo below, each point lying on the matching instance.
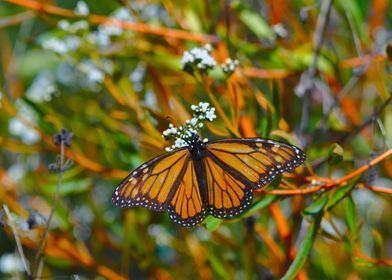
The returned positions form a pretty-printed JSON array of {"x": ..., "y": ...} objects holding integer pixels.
[
  {"x": 208, "y": 47},
  {"x": 187, "y": 58},
  {"x": 63, "y": 24},
  {"x": 210, "y": 114},
  {"x": 122, "y": 14},
  {"x": 78, "y": 26},
  {"x": 204, "y": 106},
  {"x": 42, "y": 88},
  {"x": 194, "y": 121},
  {"x": 280, "y": 30},
  {"x": 27, "y": 134},
  {"x": 55, "y": 45},
  {"x": 82, "y": 9},
  {"x": 179, "y": 143},
  {"x": 11, "y": 263},
  {"x": 205, "y": 140},
  {"x": 72, "y": 42},
  {"x": 94, "y": 74},
  {"x": 230, "y": 65}
]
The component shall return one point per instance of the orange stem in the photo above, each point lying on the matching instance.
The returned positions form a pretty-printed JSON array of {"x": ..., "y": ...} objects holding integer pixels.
[
  {"x": 360, "y": 255},
  {"x": 98, "y": 19}
]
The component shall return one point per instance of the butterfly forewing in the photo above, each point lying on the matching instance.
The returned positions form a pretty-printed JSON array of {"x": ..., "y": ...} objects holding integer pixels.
[
  {"x": 154, "y": 183},
  {"x": 186, "y": 207},
  {"x": 257, "y": 160},
  {"x": 227, "y": 195}
]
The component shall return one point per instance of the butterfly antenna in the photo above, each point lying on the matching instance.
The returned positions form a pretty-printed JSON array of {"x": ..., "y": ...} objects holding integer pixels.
[{"x": 172, "y": 120}]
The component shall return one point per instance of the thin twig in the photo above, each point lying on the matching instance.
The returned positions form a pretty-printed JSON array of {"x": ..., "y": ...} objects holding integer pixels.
[
  {"x": 354, "y": 32},
  {"x": 308, "y": 84},
  {"x": 344, "y": 138},
  {"x": 16, "y": 19},
  {"x": 17, "y": 240},
  {"x": 39, "y": 254},
  {"x": 368, "y": 121}
]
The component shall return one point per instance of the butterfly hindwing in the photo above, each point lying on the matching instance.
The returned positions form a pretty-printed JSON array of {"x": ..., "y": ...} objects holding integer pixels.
[
  {"x": 227, "y": 195},
  {"x": 258, "y": 160},
  {"x": 186, "y": 207},
  {"x": 153, "y": 184}
]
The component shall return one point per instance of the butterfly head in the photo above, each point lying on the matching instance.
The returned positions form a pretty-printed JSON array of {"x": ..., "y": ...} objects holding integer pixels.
[{"x": 196, "y": 146}]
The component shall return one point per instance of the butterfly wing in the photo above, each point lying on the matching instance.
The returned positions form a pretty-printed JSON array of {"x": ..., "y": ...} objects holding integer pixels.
[
  {"x": 235, "y": 167},
  {"x": 228, "y": 195},
  {"x": 256, "y": 160},
  {"x": 153, "y": 184},
  {"x": 186, "y": 208}
]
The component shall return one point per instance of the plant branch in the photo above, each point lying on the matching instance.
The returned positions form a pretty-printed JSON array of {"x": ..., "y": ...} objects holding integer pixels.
[
  {"x": 17, "y": 240},
  {"x": 39, "y": 254},
  {"x": 360, "y": 255},
  {"x": 310, "y": 74},
  {"x": 339, "y": 182},
  {"x": 368, "y": 121}
]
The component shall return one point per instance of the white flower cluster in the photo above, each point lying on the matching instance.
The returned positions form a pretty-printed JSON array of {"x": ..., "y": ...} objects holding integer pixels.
[
  {"x": 77, "y": 26},
  {"x": 103, "y": 36},
  {"x": 69, "y": 42},
  {"x": 18, "y": 128},
  {"x": 43, "y": 87},
  {"x": 183, "y": 134},
  {"x": 198, "y": 58},
  {"x": 62, "y": 46},
  {"x": 230, "y": 65},
  {"x": 95, "y": 71},
  {"x": 203, "y": 111}
]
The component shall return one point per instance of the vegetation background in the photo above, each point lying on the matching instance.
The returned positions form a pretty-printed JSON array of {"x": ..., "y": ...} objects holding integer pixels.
[{"x": 313, "y": 73}]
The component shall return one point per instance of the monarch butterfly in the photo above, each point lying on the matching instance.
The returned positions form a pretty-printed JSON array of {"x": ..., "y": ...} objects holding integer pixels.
[{"x": 215, "y": 177}]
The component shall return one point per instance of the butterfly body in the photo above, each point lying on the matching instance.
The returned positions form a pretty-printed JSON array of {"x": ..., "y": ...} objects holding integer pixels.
[{"x": 207, "y": 177}]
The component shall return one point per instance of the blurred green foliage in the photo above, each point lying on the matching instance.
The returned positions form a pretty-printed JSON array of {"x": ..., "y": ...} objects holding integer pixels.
[{"x": 116, "y": 82}]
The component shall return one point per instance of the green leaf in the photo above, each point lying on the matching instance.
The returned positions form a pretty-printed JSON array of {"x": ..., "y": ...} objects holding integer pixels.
[
  {"x": 257, "y": 24},
  {"x": 388, "y": 126},
  {"x": 378, "y": 244},
  {"x": 193, "y": 21},
  {"x": 261, "y": 204},
  {"x": 218, "y": 266},
  {"x": 265, "y": 124},
  {"x": 304, "y": 248},
  {"x": 335, "y": 154},
  {"x": 71, "y": 187},
  {"x": 328, "y": 201},
  {"x": 351, "y": 214},
  {"x": 212, "y": 223},
  {"x": 30, "y": 63},
  {"x": 317, "y": 206},
  {"x": 340, "y": 193},
  {"x": 276, "y": 103}
]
